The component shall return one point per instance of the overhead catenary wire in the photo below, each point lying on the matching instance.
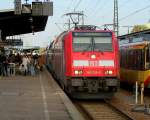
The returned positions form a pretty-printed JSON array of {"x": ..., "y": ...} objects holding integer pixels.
[
  {"x": 87, "y": 5},
  {"x": 68, "y": 8},
  {"x": 69, "y": 5},
  {"x": 108, "y": 11},
  {"x": 95, "y": 7},
  {"x": 124, "y": 3},
  {"x": 102, "y": 6},
  {"x": 77, "y": 5},
  {"x": 133, "y": 13},
  {"x": 59, "y": 27},
  {"x": 98, "y": 6}
]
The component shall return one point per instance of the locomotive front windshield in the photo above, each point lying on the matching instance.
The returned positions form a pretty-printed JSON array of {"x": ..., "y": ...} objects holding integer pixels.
[{"x": 97, "y": 41}]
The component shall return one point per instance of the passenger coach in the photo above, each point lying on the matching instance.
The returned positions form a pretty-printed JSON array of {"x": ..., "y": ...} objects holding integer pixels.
[
  {"x": 85, "y": 62},
  {"x": 135, "y": 62}
]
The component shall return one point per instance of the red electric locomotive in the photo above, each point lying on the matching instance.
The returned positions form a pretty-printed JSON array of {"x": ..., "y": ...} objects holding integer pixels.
[{"x": 85, "y": 62}]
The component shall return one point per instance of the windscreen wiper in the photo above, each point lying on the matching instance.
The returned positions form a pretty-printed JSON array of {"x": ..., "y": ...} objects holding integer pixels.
[
  {"x": 87, "y": 48},
  {"x": 94, "y": 49}
]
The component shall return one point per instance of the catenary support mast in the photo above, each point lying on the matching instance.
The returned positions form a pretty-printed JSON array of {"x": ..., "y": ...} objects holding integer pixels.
[{"x": 116, "y": 22}]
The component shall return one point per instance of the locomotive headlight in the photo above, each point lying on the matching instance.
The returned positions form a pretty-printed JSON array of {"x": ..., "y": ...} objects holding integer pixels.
[
  {"x": 76, "y": 72},
  {"x": 109, "y": 72},
  {"x": 93, "y": 56}
]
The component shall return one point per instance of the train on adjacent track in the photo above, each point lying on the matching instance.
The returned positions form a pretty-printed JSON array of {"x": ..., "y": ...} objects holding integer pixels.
[
  {"x": 85, "y": 61},
  {"x": 135, "y": 60}
]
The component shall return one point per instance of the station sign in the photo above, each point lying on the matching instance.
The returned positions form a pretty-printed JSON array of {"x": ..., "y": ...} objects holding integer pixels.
[
  {"x": 17, "y": 7},
  {"x": 12, "y": 42},
  {"x": 26, "y": 8},
  {"x": 42, "y": 8},
  {"x": 37, "y": 8},
  {"x": 47, "y": 8}
]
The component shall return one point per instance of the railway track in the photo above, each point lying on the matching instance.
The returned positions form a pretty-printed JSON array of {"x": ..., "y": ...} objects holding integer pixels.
[{"x": 100, "y": 110}]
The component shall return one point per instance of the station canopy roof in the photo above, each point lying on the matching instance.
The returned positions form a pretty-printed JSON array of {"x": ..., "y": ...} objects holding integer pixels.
[
  {"x": 11, "y": 24},
  {"x": 134, "y": 34}
]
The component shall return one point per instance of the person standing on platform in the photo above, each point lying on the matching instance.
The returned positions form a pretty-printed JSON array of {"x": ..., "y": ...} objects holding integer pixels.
[
  {"x": 11, "y": 64},
  {"x": 29, "y": 64},
  {"x": 6, "y": 62},
  {"x": 36, "y": 62},
  {"x": 25, "y": 61},
  {"x": 32, "y": 66},
  {"x": 18, "y": 59},
  {"x": 4, "y": 65}
]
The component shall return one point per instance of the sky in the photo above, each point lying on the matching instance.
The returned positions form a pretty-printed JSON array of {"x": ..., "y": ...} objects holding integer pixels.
[{"x": 97, "y": 12}]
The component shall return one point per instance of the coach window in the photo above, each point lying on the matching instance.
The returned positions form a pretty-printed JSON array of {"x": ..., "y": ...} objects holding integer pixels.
[
  {"x": 128, "y": 59},
  {"x": 59, "y": 44},
  {"x": 147, "y": 58},
  {"x": 125, "y": 58},
  {"x": 121, "y": 57},
  {"x": 131, "y": 59},
  {"x": 142, "y": 59},
  {"x": 139, "y": 61},
  {"x": 63, "y": 39},
  {"x": 56, "y": 46},
  {"x": 136, "y": 59}
]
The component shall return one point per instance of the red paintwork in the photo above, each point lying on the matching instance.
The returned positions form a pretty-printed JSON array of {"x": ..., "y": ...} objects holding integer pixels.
[
  {"x": 147, "y": 81},
  {"x": 94, "y": 63},
  {"x": 70, "y": 56},
  {"x": 90, "y": 71}
]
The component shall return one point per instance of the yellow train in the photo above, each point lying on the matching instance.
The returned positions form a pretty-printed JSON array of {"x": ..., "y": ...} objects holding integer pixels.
[{"x": 135, "y": 63}]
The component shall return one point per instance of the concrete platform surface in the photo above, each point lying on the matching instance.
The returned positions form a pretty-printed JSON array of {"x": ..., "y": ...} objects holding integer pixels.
[{"x": 34, "y": 98}]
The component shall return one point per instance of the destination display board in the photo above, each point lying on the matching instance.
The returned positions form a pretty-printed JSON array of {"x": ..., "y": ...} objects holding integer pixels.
[
  {"x": 93, "y": 34},
  {"x": 37, "y": 8},
  {"x": 17, "y": 7},
  {"x": 26, "y": 8},
  {"x": 42, "y": 8},
  {"x": 12, "y": 42},
  {"x": 47, "y": 8}
]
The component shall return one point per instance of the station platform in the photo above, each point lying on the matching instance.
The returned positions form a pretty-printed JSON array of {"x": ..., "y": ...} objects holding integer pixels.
[{"x": 34, "y": 98}]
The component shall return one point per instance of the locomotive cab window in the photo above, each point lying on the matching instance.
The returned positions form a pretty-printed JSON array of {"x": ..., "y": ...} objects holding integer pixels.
[
  {"x": 102, "y": 43},
  {"x": 83, "y": 42}
]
